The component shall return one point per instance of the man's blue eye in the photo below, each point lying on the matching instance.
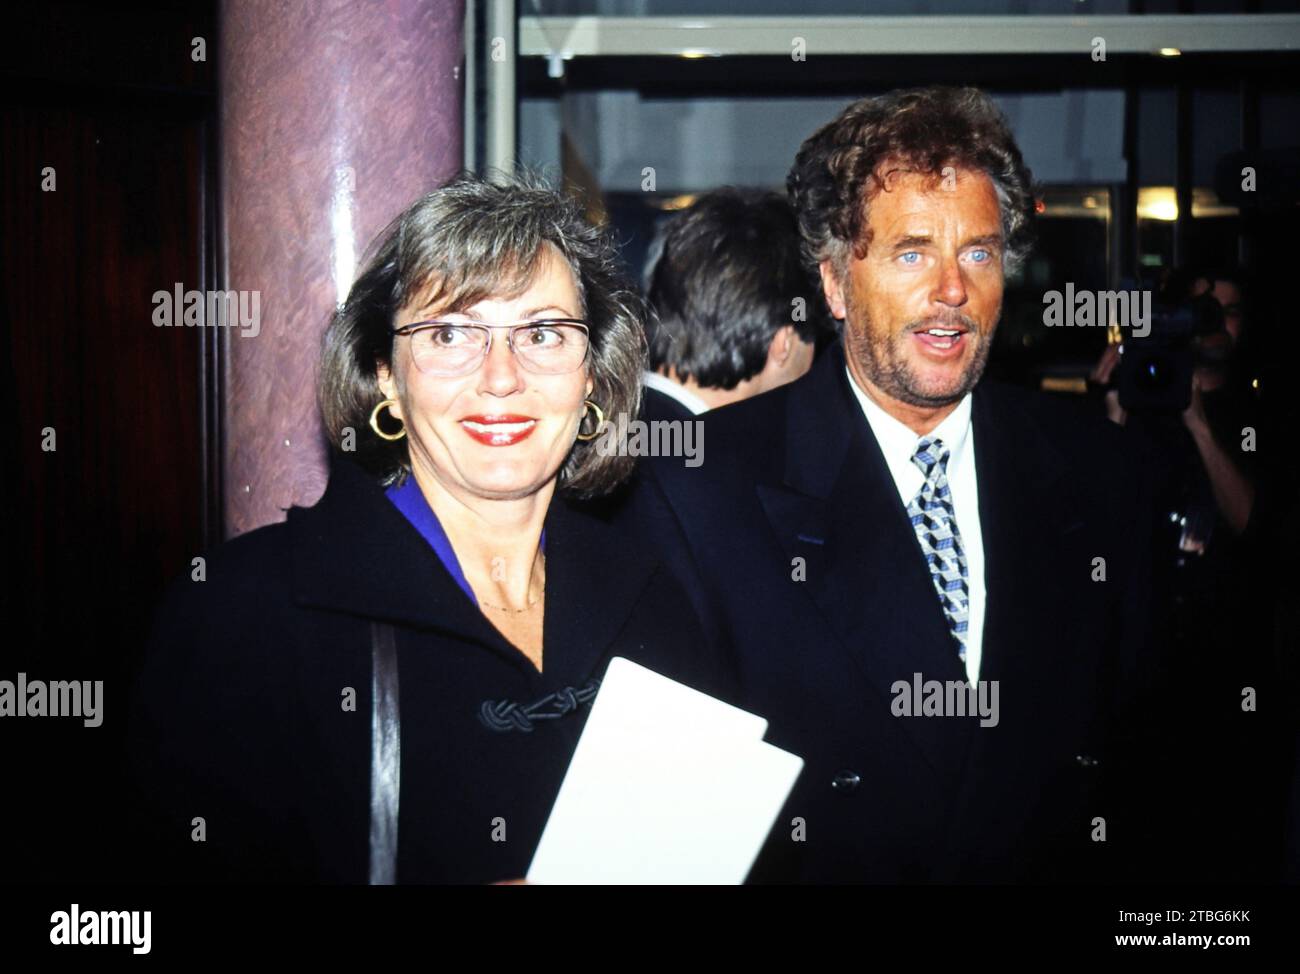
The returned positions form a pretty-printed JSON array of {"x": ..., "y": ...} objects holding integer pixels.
[
  {"x": 981, "y": 256},
  {"x": 906, "y": 258}
]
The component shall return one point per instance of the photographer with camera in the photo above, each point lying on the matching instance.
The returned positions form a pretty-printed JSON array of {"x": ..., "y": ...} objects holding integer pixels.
[
  {"x": 1189, "y": 361},
  {"x": 1186, "y": 389}
]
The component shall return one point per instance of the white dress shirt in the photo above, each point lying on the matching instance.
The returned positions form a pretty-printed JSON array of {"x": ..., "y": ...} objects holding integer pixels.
[
  {"x": 898, "y": 444},
  {"x": 668, "y": 387}
]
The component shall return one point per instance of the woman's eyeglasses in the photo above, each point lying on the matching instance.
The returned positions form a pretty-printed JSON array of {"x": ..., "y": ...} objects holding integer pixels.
[{"x": 550, "y": 346}]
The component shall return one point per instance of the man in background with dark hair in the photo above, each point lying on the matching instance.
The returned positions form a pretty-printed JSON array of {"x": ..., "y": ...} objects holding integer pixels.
[
  {"x": 890, "y": 524},
  {"x": 736, "y": 314}
]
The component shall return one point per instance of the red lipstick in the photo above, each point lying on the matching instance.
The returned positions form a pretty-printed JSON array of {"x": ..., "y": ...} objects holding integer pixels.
[{"x": 499, "y": 430}]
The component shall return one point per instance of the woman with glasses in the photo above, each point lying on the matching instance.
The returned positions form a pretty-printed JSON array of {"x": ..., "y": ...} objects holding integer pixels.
[{"x": 389, "y": 686}]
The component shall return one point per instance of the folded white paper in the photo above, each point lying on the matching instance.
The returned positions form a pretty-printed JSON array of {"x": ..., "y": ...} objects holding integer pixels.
[{"x": 667, "y": 785}]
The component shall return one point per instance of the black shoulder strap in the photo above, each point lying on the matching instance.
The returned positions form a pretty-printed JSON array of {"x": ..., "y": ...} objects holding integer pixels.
[{"x": 385, "y": 755}]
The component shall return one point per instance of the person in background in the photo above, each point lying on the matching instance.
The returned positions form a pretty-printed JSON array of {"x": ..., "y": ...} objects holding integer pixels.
[
  {"x": 1222, "y": 402},
  {"x": 1221, "y": 511},
  {"x": 735, "y": 313}
]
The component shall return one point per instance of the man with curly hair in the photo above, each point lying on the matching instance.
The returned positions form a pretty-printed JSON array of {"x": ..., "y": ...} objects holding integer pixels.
[{"x": 936, "y": 587}]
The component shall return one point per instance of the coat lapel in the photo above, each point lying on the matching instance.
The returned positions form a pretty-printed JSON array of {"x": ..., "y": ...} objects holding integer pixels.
[
  {"x": 355, "y": 553},
  {"x": 1025, "y": 509},
  {"x": 594, "y": 579}
]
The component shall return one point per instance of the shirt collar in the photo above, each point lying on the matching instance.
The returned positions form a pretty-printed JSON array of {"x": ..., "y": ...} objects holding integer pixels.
[
  {"x": 898, "y": 442},
  {"x": 668, "y": 387}
]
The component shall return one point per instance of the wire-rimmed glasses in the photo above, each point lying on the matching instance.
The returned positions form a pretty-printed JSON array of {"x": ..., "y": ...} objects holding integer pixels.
[{"x": 547, "y": 346}]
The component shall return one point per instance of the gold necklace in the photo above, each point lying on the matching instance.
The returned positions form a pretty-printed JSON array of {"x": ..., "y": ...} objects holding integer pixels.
[{"x": 506, "y": 608}]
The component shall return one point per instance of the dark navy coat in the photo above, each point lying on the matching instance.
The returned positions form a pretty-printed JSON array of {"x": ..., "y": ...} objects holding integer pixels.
[{"x": 240, "y": 717}]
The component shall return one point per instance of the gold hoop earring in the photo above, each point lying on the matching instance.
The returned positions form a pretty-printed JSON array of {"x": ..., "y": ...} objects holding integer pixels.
[
  {"x": 374, "y": 422},
  {"x": 600, "y": 420}
]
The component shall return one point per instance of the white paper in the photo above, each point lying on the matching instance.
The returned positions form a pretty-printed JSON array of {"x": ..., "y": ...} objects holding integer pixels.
[{"x": 667, "y": 785}]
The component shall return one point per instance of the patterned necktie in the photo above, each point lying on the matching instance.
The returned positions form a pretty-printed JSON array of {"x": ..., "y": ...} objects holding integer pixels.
[{"x": 935, "y": 523}]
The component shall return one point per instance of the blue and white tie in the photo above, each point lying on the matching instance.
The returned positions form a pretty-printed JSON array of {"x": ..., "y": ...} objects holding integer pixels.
[{"x": 935, "y": 523}]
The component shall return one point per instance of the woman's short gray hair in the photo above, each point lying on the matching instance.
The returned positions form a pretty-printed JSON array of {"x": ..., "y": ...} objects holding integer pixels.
[{"x": 470, "y": 240}]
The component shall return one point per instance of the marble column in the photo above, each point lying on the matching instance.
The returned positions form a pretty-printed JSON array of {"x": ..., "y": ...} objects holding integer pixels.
[{"x": 334, "y": 116}]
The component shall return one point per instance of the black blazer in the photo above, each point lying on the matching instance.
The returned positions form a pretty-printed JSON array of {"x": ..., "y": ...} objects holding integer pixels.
[
  {"x": 659, "y": 406},
  {"x": 240, "y": 715},
  {"x": 796, "y": 474}
]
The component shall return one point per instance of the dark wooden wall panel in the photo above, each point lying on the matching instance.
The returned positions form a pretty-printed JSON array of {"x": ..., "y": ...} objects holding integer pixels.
[
  {"x": 115, "y": 508},
  {"x": 98, "y": 527}
]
